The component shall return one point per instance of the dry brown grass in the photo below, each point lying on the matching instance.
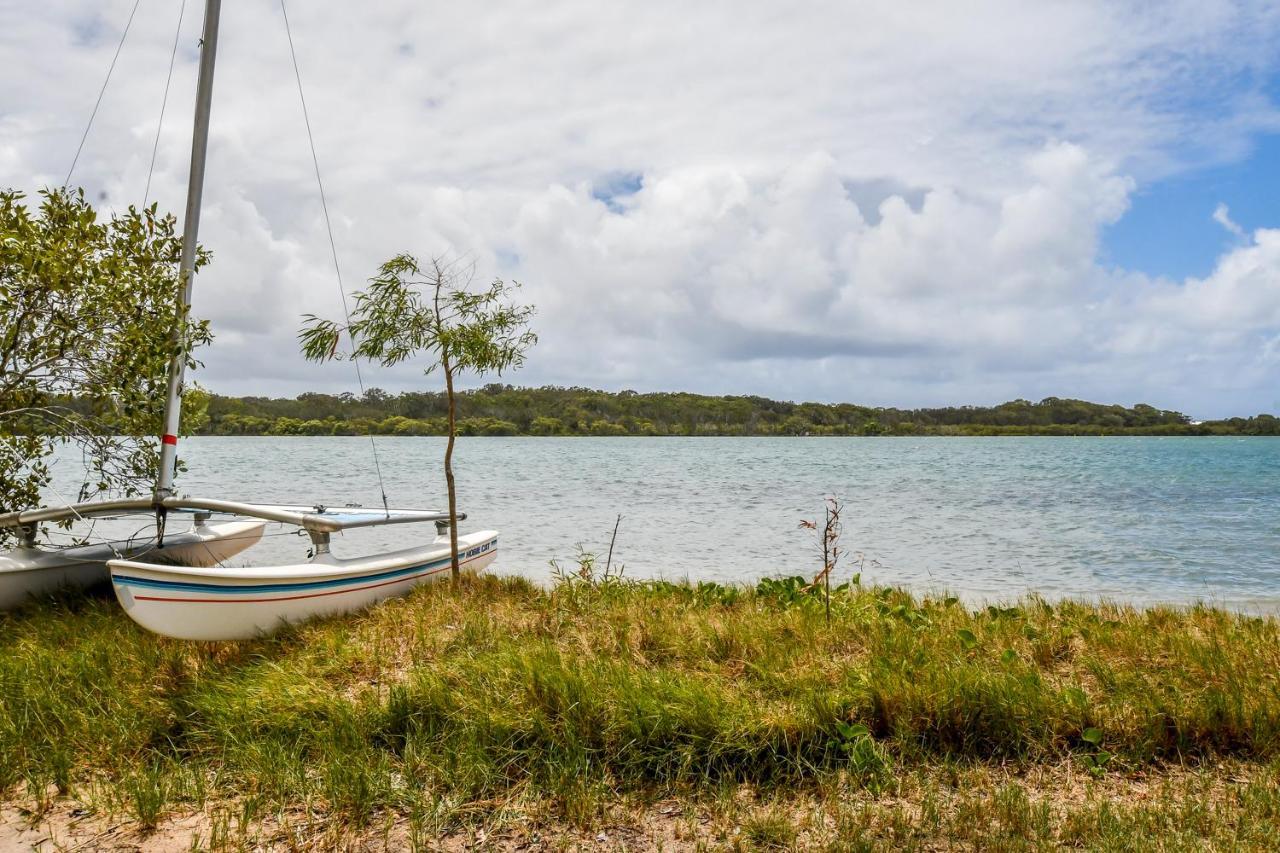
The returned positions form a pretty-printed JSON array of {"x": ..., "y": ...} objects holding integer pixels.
[{"x": 1231, "y": 805}]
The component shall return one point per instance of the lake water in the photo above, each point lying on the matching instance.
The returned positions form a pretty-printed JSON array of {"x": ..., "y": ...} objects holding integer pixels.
[{"x": 1133, "y": 519}]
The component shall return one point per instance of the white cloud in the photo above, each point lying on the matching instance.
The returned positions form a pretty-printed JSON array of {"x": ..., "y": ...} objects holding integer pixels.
[
  {"x": 882, "y": 203},
  {"x": 783, "y": 271},
  {"x": 1222, "y": 216}
]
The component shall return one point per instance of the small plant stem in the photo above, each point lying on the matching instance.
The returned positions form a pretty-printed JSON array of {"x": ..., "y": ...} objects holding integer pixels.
[
  {"x": 609, "y": 559},
  {"x": 826, "y": 562}
]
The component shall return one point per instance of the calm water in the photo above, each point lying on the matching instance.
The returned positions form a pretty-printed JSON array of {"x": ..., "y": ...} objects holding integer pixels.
[{"x": 1134, "y": 519}]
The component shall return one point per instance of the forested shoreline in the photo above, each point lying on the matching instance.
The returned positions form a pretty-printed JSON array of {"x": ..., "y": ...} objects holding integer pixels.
[{"x": 507, "y": 410}]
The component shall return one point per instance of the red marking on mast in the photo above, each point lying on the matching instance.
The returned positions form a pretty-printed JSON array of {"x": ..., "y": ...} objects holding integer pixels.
[{"x": 169, "y": 439}]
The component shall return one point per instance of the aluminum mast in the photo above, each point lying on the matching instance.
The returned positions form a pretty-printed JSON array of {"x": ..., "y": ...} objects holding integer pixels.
[{"x": 191, "y": 225}]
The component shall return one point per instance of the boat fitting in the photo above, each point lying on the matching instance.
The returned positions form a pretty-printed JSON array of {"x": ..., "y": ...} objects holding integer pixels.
[{"x": 319, "y": 539}]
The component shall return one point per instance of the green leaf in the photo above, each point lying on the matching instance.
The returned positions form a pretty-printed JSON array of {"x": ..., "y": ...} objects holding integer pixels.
[
  {"x": 967, "y": 638},
  {"x": 1092, "y": 735}
]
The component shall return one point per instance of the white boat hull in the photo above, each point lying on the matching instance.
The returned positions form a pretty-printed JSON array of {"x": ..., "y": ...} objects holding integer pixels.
[
  {"x": 27, "y": 572},
  {"x": 190, "y": 603}
]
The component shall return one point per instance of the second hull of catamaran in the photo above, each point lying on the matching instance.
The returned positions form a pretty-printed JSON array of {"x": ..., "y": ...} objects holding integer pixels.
[
  {"x": 31, "y": 571},
  {"x": 241, "y": 603}
]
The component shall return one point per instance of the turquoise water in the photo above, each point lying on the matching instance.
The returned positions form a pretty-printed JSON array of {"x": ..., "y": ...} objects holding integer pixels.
[{"x": 1132, "y": 519}]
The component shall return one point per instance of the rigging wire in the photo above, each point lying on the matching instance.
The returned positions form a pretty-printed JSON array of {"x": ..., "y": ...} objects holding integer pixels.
[
  {"x": 26, "y": 463},
  {"x": 101, "y": 92},
  {"x": 164, "y": 101},
  {"x": 333, "y": 248}
]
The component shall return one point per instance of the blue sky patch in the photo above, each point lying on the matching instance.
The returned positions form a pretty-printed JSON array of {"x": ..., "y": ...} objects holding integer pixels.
[
  {"x": 613, "y": 189},
  {"x": 1169, "y": 229}
]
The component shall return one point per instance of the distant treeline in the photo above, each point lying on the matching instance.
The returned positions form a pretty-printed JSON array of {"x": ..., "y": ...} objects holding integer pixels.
[{"x": 507, "y": 410}]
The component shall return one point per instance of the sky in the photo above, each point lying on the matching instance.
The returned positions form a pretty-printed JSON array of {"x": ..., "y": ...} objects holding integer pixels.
[{"x": 886, "y": 203}]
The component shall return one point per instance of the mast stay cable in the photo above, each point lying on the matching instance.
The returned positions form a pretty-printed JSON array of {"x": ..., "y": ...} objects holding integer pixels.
[
  {"x": 164, "y": 101},
  {"x": 26, "y": 463},
  {"x": 333, "y": 248},
  {"x": 101, "y": 92}
]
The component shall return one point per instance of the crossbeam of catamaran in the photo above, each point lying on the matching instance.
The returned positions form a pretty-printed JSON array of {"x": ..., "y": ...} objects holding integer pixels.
[{"x": 317, "y": 518}]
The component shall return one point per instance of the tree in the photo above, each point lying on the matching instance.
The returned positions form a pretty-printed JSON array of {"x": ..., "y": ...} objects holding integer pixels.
[
  {"x": 87, "y": 309},
  {"x": 413, "y": 309}
]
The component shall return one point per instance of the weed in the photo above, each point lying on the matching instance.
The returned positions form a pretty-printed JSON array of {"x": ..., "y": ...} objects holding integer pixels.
[
  {"x": 769, "y": 829},
  {"x": 148, "y": 792},
  {"x": 866, "y": 761}
]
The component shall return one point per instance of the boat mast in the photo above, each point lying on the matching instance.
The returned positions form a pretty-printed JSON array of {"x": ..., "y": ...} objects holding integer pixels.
[{"x": 191, "y": 225}]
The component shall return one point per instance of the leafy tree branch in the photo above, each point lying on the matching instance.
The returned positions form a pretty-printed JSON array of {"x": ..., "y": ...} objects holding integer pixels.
[{"x": 87, "y": 307}]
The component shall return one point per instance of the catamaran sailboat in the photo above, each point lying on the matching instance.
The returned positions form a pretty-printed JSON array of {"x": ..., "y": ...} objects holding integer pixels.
[
  {"x": 204, "y": 603},
  {"x": 177, "y": 584}
]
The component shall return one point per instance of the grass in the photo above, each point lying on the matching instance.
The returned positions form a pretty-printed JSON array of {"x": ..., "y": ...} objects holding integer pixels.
[{"x": 505, "y": 707}]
